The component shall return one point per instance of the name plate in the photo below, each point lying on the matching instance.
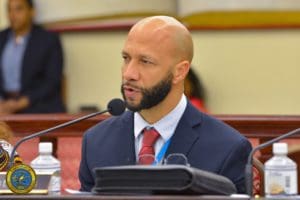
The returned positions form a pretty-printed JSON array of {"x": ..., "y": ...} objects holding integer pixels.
[{"x": 41, "y": 187}]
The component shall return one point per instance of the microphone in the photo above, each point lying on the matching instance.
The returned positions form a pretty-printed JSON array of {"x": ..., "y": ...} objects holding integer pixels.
[
  {"x": 115, "y": 107},
  {"x": 249, "y": 165}
]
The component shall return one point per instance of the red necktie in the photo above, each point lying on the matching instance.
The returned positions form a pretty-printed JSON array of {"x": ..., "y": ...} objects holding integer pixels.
[{"x": 149, "y": 139}]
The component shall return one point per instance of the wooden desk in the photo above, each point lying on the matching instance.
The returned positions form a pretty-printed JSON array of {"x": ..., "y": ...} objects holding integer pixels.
[
  {"x": 252, "y": 126},
  {"x": 25, "y": 124},
  {"x": 262, "y": 127}
]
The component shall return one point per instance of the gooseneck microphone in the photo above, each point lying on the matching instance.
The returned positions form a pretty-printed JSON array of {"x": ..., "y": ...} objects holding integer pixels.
[
  {"x": 115, "y": 107},
  {"x": 248, "y": 169}
]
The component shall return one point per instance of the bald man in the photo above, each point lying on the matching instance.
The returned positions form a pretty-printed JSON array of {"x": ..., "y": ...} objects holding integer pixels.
[{"x": 157, "y": 56}]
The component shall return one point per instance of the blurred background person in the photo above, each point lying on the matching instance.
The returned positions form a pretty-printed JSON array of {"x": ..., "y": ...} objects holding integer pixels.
[
  {"x": 194, "y": 90},
  {"x": 5, "y": 132},
  {"x": 31, "y": 64}
]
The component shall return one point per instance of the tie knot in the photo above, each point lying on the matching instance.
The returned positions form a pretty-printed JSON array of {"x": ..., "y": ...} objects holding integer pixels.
[
  {"x": 147, "y": 153},
  {"x": 150, "y": 137}
]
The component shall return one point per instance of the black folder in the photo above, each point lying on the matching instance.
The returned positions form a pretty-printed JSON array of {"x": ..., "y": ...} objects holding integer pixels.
[{"x": 165, "y": 179}]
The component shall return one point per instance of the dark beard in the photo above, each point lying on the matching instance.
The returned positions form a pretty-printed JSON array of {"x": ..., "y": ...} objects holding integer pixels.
[{"x": 151, "y": 96}]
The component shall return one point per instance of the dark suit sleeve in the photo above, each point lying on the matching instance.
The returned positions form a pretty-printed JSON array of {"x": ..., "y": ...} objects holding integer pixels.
[
  {"x": 85, "y": 176},
  {"x": 234, "y": 165},
  {"x": 52, "y": 72}
]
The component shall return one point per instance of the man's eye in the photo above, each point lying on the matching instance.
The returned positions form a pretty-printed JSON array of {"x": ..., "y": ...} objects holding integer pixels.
[
  {"x": 146, "y": 61},
  {"x": 125, "y": 58}
]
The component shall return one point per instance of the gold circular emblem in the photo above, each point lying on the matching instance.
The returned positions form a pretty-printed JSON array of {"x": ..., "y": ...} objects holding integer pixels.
[{"x": 20, "y": 179}]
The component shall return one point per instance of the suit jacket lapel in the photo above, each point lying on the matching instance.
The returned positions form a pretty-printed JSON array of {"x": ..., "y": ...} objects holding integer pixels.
[
  {"x": 185, "y": 136},
  {"x": 26, "y": 63},
  {"x": 127, "y": 139},
  {"x": 3, "y": 40},
  {"x": 182, "y": 141}
]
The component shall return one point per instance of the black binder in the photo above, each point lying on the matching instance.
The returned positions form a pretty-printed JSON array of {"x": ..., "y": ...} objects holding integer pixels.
[{"x": 165, "y": 179}]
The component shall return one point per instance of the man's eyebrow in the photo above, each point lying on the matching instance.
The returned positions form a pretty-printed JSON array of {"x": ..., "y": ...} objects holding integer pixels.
[
  {"x": 124, "y": 53},
  {"x": 146, "y": 56}
]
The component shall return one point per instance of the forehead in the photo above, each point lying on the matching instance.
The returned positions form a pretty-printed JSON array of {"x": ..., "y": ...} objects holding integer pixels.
[
  {"x": 18, "y": 2},
  {"x": 150, "y": 40}
]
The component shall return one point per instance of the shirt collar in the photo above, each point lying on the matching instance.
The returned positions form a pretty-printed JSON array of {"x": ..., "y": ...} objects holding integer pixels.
[
  {"x": 166, "y": 125},
  {"x": 21, "y": 40}
]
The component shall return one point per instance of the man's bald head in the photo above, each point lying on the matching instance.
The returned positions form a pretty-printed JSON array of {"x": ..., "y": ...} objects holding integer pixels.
[
  {"x": 165, "y": 28},
  {"x": 157, "y": 55}
]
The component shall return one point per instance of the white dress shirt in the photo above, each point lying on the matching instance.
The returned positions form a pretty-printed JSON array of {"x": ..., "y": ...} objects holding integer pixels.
[
  {"x": 12, "y": 61},
  {"x": 165, "y": 126}
]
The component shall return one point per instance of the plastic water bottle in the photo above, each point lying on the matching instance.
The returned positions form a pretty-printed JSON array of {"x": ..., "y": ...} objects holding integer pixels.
[
  {"x": 280, "y": 173},
  {"x": 45, "y": 162}
]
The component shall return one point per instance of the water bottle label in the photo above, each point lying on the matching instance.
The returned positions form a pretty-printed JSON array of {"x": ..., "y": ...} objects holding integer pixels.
[
  {"x": 280, "y": 182},
  {"x": 55, "y": 183}
]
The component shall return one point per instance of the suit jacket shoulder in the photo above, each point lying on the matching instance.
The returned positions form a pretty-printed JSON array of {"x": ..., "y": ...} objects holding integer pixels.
[{"x": 39, "y": 37}]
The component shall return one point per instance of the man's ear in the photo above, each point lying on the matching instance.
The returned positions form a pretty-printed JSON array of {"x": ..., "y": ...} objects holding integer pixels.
[{"x": 181, "y": 70}]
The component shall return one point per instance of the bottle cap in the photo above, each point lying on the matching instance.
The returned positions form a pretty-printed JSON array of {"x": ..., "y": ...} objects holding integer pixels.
[
  {"x": 45, "y": 147},
  {"x": 280, "y": 148}
]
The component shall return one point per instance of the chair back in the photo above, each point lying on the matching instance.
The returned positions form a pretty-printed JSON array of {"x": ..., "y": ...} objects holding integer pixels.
[{"x": 258, "y": 178}]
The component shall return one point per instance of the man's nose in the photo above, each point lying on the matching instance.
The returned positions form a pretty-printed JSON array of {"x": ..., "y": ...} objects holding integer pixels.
[{"x": 131, "y": 71}]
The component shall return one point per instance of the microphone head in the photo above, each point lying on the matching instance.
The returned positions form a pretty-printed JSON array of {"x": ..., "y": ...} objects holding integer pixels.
[{"x": 116, "y": 107}]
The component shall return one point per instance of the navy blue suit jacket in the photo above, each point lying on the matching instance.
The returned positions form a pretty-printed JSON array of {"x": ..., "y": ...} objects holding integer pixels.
[
  {"x": 208, "y": 143},
  {"x": 41, "y": 74}
]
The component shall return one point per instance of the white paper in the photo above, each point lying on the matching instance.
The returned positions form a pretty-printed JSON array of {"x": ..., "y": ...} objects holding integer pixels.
[{"x": 71, "y": 191}]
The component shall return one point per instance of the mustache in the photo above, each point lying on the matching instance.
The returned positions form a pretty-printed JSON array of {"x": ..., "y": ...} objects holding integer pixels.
[{"x": 130, "y": 85}]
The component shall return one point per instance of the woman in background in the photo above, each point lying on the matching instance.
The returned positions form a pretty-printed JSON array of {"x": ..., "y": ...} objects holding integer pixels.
[
  {"x": 194, "y": 90},
  {"x": 5, "y": 132}
]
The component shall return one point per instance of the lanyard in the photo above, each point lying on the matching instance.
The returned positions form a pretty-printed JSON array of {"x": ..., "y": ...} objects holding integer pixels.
[{"x": 162, "y": 152}]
